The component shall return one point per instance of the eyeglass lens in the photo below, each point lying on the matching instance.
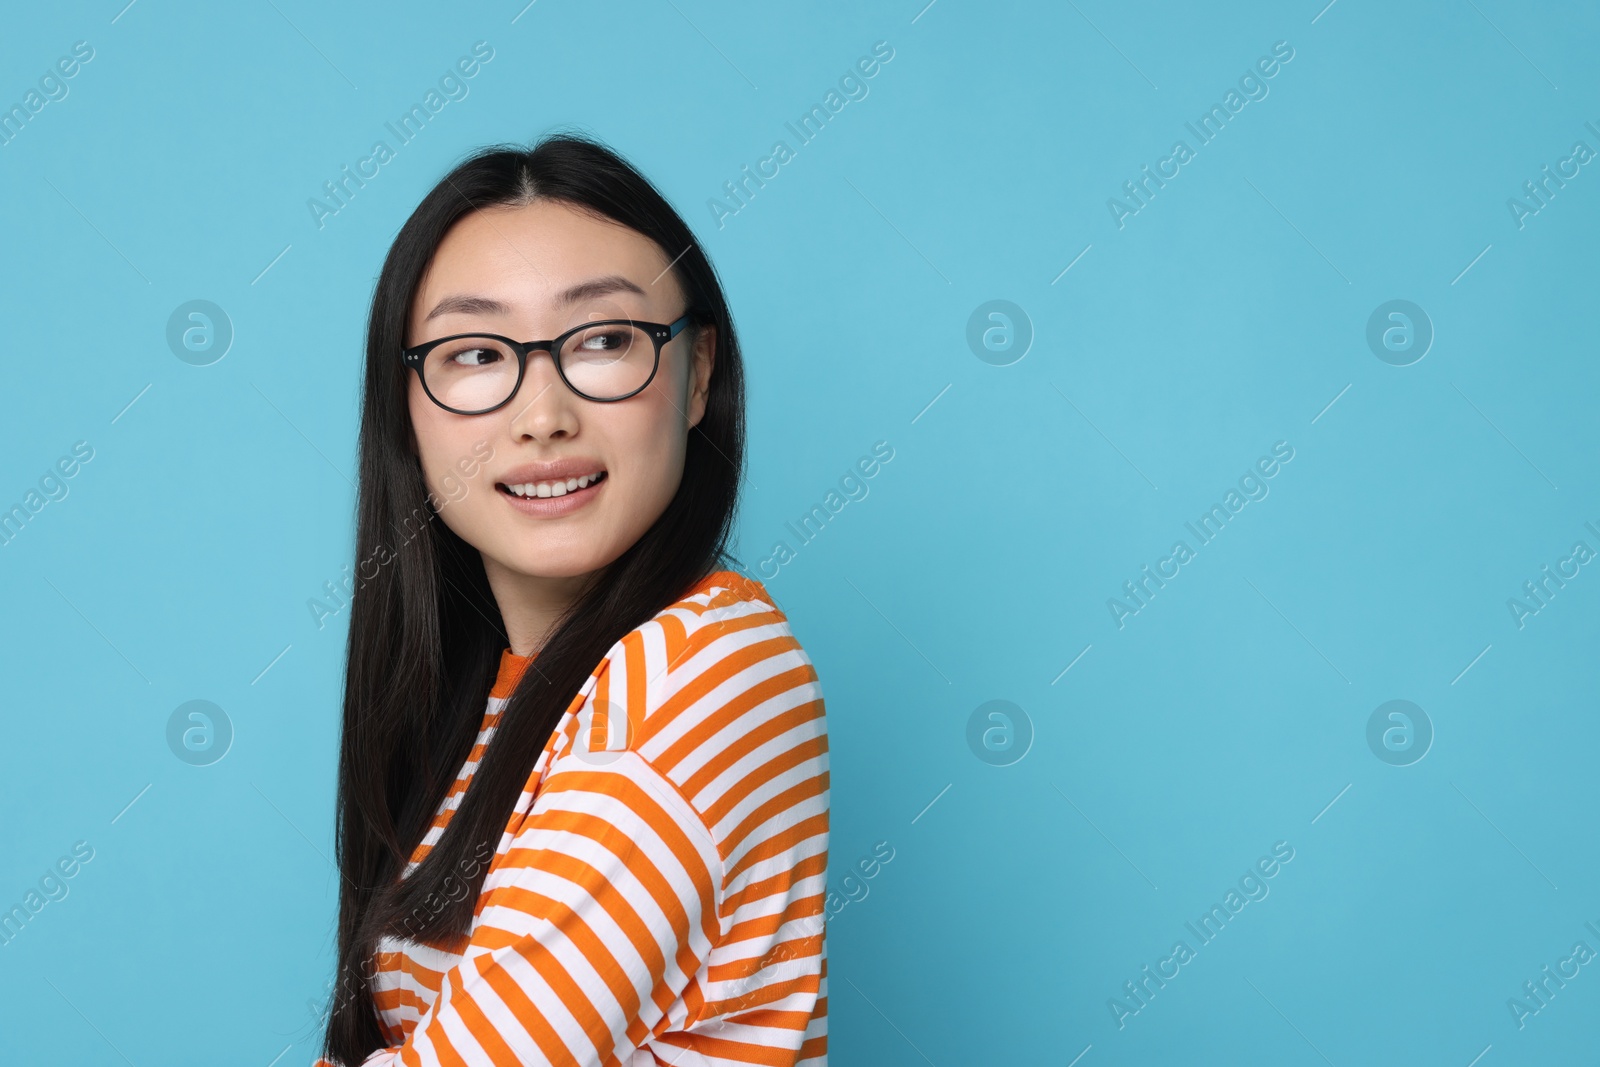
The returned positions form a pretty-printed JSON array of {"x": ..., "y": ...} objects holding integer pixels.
[{"x": 602, "y": 362}]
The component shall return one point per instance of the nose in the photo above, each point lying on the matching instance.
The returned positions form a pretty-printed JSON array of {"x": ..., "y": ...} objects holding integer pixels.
[{"x": 542, "y": 406}]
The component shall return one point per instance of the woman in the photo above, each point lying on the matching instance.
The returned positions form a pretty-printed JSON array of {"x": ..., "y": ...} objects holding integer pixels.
[{"x": 622, "y": 860}]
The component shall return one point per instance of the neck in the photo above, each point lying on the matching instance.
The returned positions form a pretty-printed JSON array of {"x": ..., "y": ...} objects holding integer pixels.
[{"x": 532, "y": 605}]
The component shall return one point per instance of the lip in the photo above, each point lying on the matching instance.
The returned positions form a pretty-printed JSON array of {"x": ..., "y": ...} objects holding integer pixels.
[
  {"x": 556, "y": 470},
  {"x": 551, "y": 470}
]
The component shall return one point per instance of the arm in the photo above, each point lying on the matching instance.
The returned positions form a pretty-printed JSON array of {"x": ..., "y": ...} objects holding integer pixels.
[{"x": 587, "y": 931}]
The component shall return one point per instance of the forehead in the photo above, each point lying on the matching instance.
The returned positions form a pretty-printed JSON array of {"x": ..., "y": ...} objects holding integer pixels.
[{"x": 522, "y": 256}]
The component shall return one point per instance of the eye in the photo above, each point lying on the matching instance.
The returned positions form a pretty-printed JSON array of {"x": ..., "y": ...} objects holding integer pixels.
[
  {"x": 609, "y": 340},
  {"x": 474, "y": 356}
]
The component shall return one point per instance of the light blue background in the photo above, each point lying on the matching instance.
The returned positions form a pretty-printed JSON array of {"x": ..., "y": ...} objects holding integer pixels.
[{"x": 1225, "y": 316}]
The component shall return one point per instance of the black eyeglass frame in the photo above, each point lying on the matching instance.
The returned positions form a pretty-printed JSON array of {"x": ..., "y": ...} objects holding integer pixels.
[{"x": 659, "y": 333}]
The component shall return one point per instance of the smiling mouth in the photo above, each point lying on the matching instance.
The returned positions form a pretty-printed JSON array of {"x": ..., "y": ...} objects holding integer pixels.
[{"x": 547, "y": 490}]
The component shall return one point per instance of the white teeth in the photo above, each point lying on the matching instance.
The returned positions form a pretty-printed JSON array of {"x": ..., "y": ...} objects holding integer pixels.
[{"x": 547, "y": 489}]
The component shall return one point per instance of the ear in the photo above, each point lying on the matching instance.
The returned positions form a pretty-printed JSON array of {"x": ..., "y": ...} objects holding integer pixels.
[{"x": 705, "y": 352}]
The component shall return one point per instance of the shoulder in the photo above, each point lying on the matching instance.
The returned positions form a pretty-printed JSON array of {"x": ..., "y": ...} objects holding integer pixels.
[
  {"x": 717, "y": 696},
  {"x": 727, "y": 624},
  {"x": 725, "y": 648},
  {"x": 736, "y": 719},
  {"x": 724, "y": 636}
]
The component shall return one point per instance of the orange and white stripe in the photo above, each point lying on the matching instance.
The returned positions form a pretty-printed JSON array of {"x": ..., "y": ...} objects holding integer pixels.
[{"x": 657, "y": 896}]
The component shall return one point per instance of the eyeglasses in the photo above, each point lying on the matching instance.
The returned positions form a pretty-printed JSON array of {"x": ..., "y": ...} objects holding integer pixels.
[{"x": 604, "y": 361}]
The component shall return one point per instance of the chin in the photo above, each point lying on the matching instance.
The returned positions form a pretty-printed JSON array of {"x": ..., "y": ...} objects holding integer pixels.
[{"x": 556, "y": 563}]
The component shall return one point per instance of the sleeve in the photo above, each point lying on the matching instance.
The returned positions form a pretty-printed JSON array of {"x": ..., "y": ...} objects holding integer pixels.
[{"x": 588, "y": 929}]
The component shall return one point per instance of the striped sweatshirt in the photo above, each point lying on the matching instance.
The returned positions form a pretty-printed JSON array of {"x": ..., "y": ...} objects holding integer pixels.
[{"x": 657, "y": 895}]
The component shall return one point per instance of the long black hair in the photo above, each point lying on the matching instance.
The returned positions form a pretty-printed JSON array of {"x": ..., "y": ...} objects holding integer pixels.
[{"x": 425, "y": 633}]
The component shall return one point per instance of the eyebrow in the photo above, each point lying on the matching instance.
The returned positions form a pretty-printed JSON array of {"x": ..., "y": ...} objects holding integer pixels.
[{"x": 462, "y": 304}]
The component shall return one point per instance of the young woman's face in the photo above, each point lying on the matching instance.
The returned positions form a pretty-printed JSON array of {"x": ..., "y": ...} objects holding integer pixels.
[{"x": 513, "y": 271}]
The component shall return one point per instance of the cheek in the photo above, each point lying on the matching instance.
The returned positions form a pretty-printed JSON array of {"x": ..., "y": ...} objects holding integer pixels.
[
  {"x": 442, "y": 442},
  {"x": 647, "y": 448},
  {"x": 418, "y": 404}
]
